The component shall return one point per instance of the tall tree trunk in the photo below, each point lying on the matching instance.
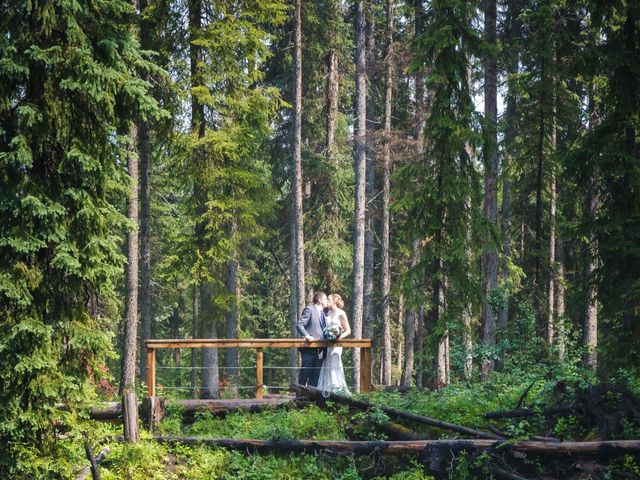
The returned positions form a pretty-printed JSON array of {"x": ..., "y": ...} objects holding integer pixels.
[
  {"x": 401, "y": 329},
  {"x": 511, "y": 41},
  {"x": 130, "y": 335},
  {"x": 145, "y": 218},
  {"x": 195, "y": 309},
  {"x": 232, "y": 354},
  {"x": 208, "y": 316},
  {"x": 436, "y": 319},
  {"x": 590, "y": 329},
  {"x": 207, "y": 320},
  {"x": 539, "y": 184},
  {"x": 146, "y": 291},
  {"x": 297, "y": 230},
  {"x": 561, "y": 338},
  {"x": 490, "y": 255},
  {"x": 175, "y": 322},
  {"x": 549, "y": 337},
  {"x": 410, "y": 327},
  {"x": 412, "y": 318},
  {"x": 386, "y": 187},
  {"x": 367, "y": 306},
  {"x": 359, "y": 152},
  {"x": 421, "y": 334},
  {"x": 332, "y": 95}
]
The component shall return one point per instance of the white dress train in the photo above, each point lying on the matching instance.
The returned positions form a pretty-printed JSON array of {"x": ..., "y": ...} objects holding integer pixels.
[{"x": 332, "y": 372}]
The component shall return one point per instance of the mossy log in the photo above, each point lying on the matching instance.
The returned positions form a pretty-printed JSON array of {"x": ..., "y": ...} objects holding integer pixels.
[
  {"x": 113, "y": 410},
  {"x": 605, "y": 449}
]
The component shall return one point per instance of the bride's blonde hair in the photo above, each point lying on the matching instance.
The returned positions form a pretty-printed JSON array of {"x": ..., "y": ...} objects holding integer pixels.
[{"x": 337, "y": 299}]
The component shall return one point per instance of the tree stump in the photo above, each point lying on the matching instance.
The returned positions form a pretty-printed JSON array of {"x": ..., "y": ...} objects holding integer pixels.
[{"x": 153, "y": 409}]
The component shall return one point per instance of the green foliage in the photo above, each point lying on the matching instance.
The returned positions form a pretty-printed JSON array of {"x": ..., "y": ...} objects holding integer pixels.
[
  {"x": 71, "y": 83},
  {"x": 308, "y": 423}
]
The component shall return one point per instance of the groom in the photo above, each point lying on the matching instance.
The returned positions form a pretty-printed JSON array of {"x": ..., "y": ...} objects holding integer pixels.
[{"x": 310, "y": 325}]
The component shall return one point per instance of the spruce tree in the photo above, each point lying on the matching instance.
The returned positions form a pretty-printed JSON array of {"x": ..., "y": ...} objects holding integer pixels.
[{"x": 70, "y": 82}]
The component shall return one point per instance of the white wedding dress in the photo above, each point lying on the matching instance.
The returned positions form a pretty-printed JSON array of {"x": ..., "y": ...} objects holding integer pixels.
[{"x": 332, "y": 372}]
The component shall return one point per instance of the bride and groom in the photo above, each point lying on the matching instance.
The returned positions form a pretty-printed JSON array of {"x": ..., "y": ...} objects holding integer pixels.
[{"x": 323, "y": 320}]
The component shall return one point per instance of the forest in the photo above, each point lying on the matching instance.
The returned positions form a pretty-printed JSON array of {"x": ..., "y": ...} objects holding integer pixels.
[{"x": 465, "y": 174}]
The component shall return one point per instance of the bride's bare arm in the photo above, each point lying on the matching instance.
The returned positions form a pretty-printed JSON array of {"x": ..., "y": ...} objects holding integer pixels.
[{"x": 345, "y": 326}]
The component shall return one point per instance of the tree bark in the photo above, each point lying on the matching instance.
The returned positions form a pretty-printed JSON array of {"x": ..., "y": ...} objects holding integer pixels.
[
  {"x": 359, "y": 153},
  {"x": 386, "y": 187},
  {"x": 386, "y": 169},
  {"x": 561, "y": 338},
  {"x": 540, "y": 157},
  {"x": 606, "y": 449},
  {"x": 410, "y": 328},
  {"x": 130, "y": 334},
  {"x": 590, "y": 329},
  {"x": 233, "y": 354},
  {"x": 332, "y": 95},
  {"x": 490, "y": 255},
  {"x": 194, "y": 334},
  {"x": 297, "y": 237},
  {"x": 208, "y": 315},
  {"x": 551, "y": 314},
  {"x": 144, "y": 149},
  {"x": 401, "y": 328},
  {"x": 371, "y": 68}
]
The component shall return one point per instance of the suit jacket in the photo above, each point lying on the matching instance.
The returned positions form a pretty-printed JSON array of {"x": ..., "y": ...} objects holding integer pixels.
[{"x": 310, "y": 323}]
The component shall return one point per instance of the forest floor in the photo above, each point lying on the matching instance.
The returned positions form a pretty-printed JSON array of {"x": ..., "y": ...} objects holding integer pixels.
[{"x": 569, "y": 408}]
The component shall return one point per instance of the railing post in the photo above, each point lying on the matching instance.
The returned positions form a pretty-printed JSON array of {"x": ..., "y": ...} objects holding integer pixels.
[
  {"x": 151, "y": 372},
  {"x": 259, "y": 372},
  {"x": 365, "y": 369}
]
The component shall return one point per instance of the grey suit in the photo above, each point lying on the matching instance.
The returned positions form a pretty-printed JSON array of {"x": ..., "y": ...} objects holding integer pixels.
[{"x": 310, "y": 323}]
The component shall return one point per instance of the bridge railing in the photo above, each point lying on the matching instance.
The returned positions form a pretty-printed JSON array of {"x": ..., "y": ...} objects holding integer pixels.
[{"x": 259, "y": 344}]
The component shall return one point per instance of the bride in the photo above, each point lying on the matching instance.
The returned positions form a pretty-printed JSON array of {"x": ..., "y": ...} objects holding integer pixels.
[{"x": 332, "y": 373}]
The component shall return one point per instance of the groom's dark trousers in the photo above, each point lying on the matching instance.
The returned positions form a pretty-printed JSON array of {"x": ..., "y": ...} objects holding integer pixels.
[
  {"x": 311, "y": 323},
  {"x": 310, "y": 368}
]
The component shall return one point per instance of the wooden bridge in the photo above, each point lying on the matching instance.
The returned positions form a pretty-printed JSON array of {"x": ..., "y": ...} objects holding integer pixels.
[{"x": 259, "y": 344}]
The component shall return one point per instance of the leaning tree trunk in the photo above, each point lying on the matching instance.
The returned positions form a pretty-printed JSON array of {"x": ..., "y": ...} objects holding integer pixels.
[
  {"x": 490, "y": 255},
  {"x": 359, "y": 153},
  {"x": 130, "y": 344}
]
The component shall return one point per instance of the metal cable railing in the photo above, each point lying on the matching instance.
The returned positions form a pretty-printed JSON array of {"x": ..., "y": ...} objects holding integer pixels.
[{"x": 169, "y": 374}]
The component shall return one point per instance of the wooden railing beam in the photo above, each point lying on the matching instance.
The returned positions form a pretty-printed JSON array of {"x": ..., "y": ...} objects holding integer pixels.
[
  {"x": 259, "y": 373},
  {"x": 151, "y": 371},
  {"x": 255, "y": 343}
]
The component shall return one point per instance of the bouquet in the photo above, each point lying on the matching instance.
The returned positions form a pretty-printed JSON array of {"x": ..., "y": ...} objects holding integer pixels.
[{"x": 332, "y": 331}]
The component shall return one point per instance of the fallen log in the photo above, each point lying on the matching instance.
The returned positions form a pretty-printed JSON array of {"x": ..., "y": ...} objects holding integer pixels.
[
  {"x": 82, "y": 474},
  {"x": 527, "y": 412},
  {"x": 113, "y": 410},
  {"x": 607, "y": 449},
  {"x": 320, "y": 396}
]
